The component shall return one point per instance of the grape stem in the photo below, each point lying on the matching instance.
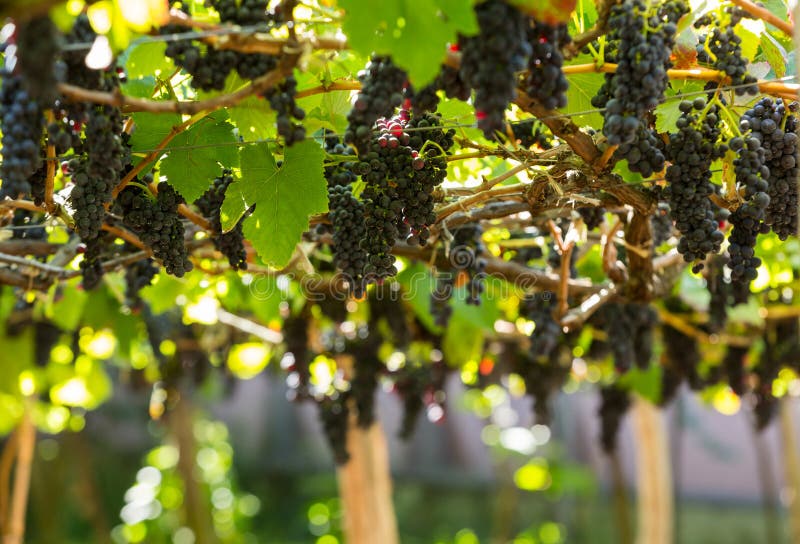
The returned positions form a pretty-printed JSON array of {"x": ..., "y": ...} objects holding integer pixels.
[{"x": 765, "y": 15}]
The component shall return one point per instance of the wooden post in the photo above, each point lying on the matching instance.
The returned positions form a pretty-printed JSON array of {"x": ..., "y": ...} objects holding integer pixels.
[
  {"x": 791, "y": 462},
  {"x": 198, "y": 517},
  {"x": 365, "y": 487},
  {"x": 654, "y": 481},
  {"x": 26, "y": 442}
]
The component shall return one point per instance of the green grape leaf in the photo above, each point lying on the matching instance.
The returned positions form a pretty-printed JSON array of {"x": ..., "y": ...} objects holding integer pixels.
[
  {"x": 414, "y": 33},
  {"x": 194, "y": 156},
  {"x": 254, "y": 118},
  {"x": 284, "y": 198},
  {"x": 548, "y": 11},
  {"x": 150, "y": 129},
  {"x": 331, "y": 113},
  {"x": 145, "y": 59},
  {"x": 67, "y": 309},
  {"x": 17, "y": 355},
  {"x": 582, "y": 88},
  {"x": 749, "y": 31},
  {"x": 774, "y": 53},
  {"x": 647, "y": 383}
]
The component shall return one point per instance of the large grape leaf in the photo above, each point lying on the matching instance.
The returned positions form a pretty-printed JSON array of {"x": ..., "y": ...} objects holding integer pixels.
[
  {"x": 548, "y": 11},
  {"x": 414, "y": 33},
  {"x": 774, "y": 53},
  {"x": 147, "y": 59},
  {"x": 582, "y": 88},
  {"x": 194, "y": 156},
  {"x": 284, "y": 198},
  {"x": 254, "y": 118}
]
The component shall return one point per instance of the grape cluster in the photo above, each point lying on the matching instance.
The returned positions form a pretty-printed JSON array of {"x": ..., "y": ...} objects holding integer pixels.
[
  {"x": 27, "y": 226},
  {"x": 398, "y": 197},
  {"x": 531, "y": 132},
  {"x": 367, "y": 366},
  {"x": 692, "y": 150},
  {"x": 334, "y": 414},
  {"x": 349, "y": 232},
  {"x": 37, "y": 52},
  {"x": 157, "y": 223},
  {"x": 490, "y": 60},
  {"x": 546, "y": 81},
  {"x": 92, "y": 264},
  {"x": 725, "y": 49},
  {"x": 752, "y": 177},
  {"x": 547, "y": 333},
  {"x": 295, "y": 335},
  {"x": 97, "y": 174},
  {"x": 645, "y": 153},
  {"x": 733, "y": 365},
  {"x": 629, "y": 328},
  {"x": 614, "y": 404},
  {"x": 592, "y": 216},
  {"x": 381, "y": 92},
  {"x": 661, "y": 224},
  {"x": 230, "y": 243},
  {"x": 467, "y": 256},
  {"x": 281, "y": 100},
  {"x": 773, "y": 124},
  {"x": 644, "y": 38},
  {"x": 682, "y": 355},
  {"x": 448, "y": 80},
  {"x": 21, "y": 121},
  {"x": 138, "y": 276},
  {"x": 244, "y": 12},
  {"x": 208, "y": 66},
  {"x": 415, "y": 384}
]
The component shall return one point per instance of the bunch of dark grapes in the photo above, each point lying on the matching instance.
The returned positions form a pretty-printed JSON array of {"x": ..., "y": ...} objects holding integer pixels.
[
  {"x": 629, "y": 328},
  {"x": 87, "y": 198},
  {"x": 334, "y": 415},
  {"x": 429, "y": 145},
  {"x": 752, "y": 177},
  {"x": 367, "y": 366},
  {"x": 532, "y": 132},
  {"x": 231, "y": 243},
  {"x": 467, "y": 257},
  {"x": 726, "y": 50},
  {"x": 281, "y": 100},
  {"x": 682, "y": 355},
  {"x": 773, "y": 124},
  {"x": 26, "y": 226},
  {"x": 546, "y": 81},
  {"x": 388, "y": 159},
  {"x": 720, "y": 291},
  {"x": 593, "y": 216},
  {"x": 244, "y": 12},
  {"x": 138, "y": 276},
  {"x": 339, "y": 173},
  {"x": 766, "y": 370},
  {"x": 440, "y": 307},
  {"x": 37, "y": 52},
  {"x": 540, "y": 370},
  {"x": 547, "y": 332},
  {"x": 692, "y": 150},
  {"x": 645, "y": 153},
  {"x": 381, "y": 92},
  {"x": 733, "y": 364},
  {"x": 349, "y": 232},
  {"x": 157, "y": 223},
  {"x": 295, "y": 335},
  {"x": 448, "y": 80},
  {"x": 415, "y": 384},
  {"x": 661, "y": 224},
  {"x": 644, "y": 36},
  {"x": 208, "y": 66},
  {"x": 614, "y": 404},
  {"x": 92, "y": 264},
  {"x": 490, "y": 60},
  {"x": 21, "y": 121}
]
